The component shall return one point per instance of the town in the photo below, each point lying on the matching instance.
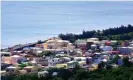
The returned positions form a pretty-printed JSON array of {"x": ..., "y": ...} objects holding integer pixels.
[
  {"x": 66, "y": 40},
  {"x": 58, "y": 53}
]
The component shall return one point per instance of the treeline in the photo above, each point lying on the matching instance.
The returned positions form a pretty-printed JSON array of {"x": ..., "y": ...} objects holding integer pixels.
[
  {"x": 120, "y": 73},
  {"x": 118, "y": 33}
]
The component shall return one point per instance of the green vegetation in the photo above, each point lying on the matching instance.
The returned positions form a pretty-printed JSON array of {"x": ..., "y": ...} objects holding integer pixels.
[
  {"x": 46, "y": 53},
  {"x": 126, "y": 36},
  {"x": 103, "y": 72},
  {"x": 120, "y": 73},
  {"x": 22, "y": 65},
  {"x": 119, "y": 33}
]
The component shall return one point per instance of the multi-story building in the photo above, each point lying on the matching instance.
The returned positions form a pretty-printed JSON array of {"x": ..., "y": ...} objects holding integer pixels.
[
  {"x": 57, "y": 43},
  {"x": 81, "y": 44}
]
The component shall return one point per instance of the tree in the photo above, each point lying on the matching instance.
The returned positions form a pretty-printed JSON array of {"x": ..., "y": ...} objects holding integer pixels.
[
  {"x": 46, "y": 53},
  {"x": 57, "y": 78},
  {"x": 118, "y": 33},
  {"x": 39, "y": 42},
  {"x": 131, "y": 77},
  {"x": 101, "y": 65},
  {"x": 22, "y": 65},
  {"x": 126, "y": 62},
  {"x": 115, "y": 59}
]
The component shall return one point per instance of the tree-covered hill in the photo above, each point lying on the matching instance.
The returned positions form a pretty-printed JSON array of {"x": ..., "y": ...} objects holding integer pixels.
[{"x": 118, "y": 33}]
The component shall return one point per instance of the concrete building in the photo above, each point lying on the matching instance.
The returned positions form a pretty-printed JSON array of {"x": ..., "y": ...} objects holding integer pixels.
[
  {"x": 57, "y": 44},
  {"x": 81, "y": 44}
]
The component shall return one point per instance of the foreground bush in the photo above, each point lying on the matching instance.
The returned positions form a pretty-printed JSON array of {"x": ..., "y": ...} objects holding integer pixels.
[{"x": 120, "y": 73}]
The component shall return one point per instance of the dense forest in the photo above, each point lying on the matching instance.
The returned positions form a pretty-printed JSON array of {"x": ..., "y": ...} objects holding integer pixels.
[{"x": 118, "y": 33}]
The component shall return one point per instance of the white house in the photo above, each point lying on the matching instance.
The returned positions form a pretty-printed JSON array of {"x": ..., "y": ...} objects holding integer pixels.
[
  {"x": 53, "y": 61},
  {"x": 42, "y": 73},
  {"x": 93, "y": 39},
  {"x": 5, "y": 53},
  {"x": 79, "y": 58},
  {"x": 72, "y": 64}
]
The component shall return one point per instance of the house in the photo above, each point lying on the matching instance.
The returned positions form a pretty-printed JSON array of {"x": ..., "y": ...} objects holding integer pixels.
[
  {"x": 91, "y": 41},
  {"x": 82, "y": 63},
  {"x": 79, "y": 58},
  {"x": 125, "y": 43},
  {"x": 29, "y": 68},
  {"x": 61, "y": 66},
  {"x": 34, "y": 62},
  {"x": 72, "y": 64},
  {"x": 45, "y": 45},
  {"x": 6, "y": 60},
  {"x": 57, "y": 43},
  {"x": 96, "y": 58},
  {"x": 93, "y": 67},
  {"x": 66, "y": 59},
  {"x": 114, "y": 65},
  {"x": 79, "y": 53},
  {"x": 43, "y": 62},
  {"x": 36, "y": 50},
  {"x": 17, "y": 52},
  {"x": 4, "y": 66},
  {"x": 131, "y": 45},
  {"x": 107, "y": 48},
  {"x": 88, "y": 53},
  {"x": 42, "y": 73},
  {"x": 125, "y": 50},
  {"x": 120, "y": 62},
  {"x": 81, "y": 44},
  {"x": 26, "y": 49},
  {"x": 22, "y": 71},
  {"x": 15, "y": 59},
  {"x": 108, "y": 43},
  {"x": 12, "y": 69},
  {"x": 3, "y": 73},
  {"x": 70, "y": 46},
  {"x": 94, "y": 47},
  {"x": 113, "y": 42},
  {"x": 61, "y": 54},
  {"x": 89, "y": 60},
  {"x": 53, "y": 61},
  {"x": 39, "y": 45},
  {"x": 103, "y": 42},
  {"x": 5, "y": 54}
]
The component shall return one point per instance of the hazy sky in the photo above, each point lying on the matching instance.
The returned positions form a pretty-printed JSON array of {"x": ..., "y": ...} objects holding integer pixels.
[{"x": 28, "y": 21}]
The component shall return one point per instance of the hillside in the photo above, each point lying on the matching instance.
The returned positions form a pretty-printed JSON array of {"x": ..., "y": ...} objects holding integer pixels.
[{"x": 118, "y": 33}]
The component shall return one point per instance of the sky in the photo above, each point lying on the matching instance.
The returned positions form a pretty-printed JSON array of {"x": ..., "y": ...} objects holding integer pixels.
[{"x": 25, "y": 22}]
